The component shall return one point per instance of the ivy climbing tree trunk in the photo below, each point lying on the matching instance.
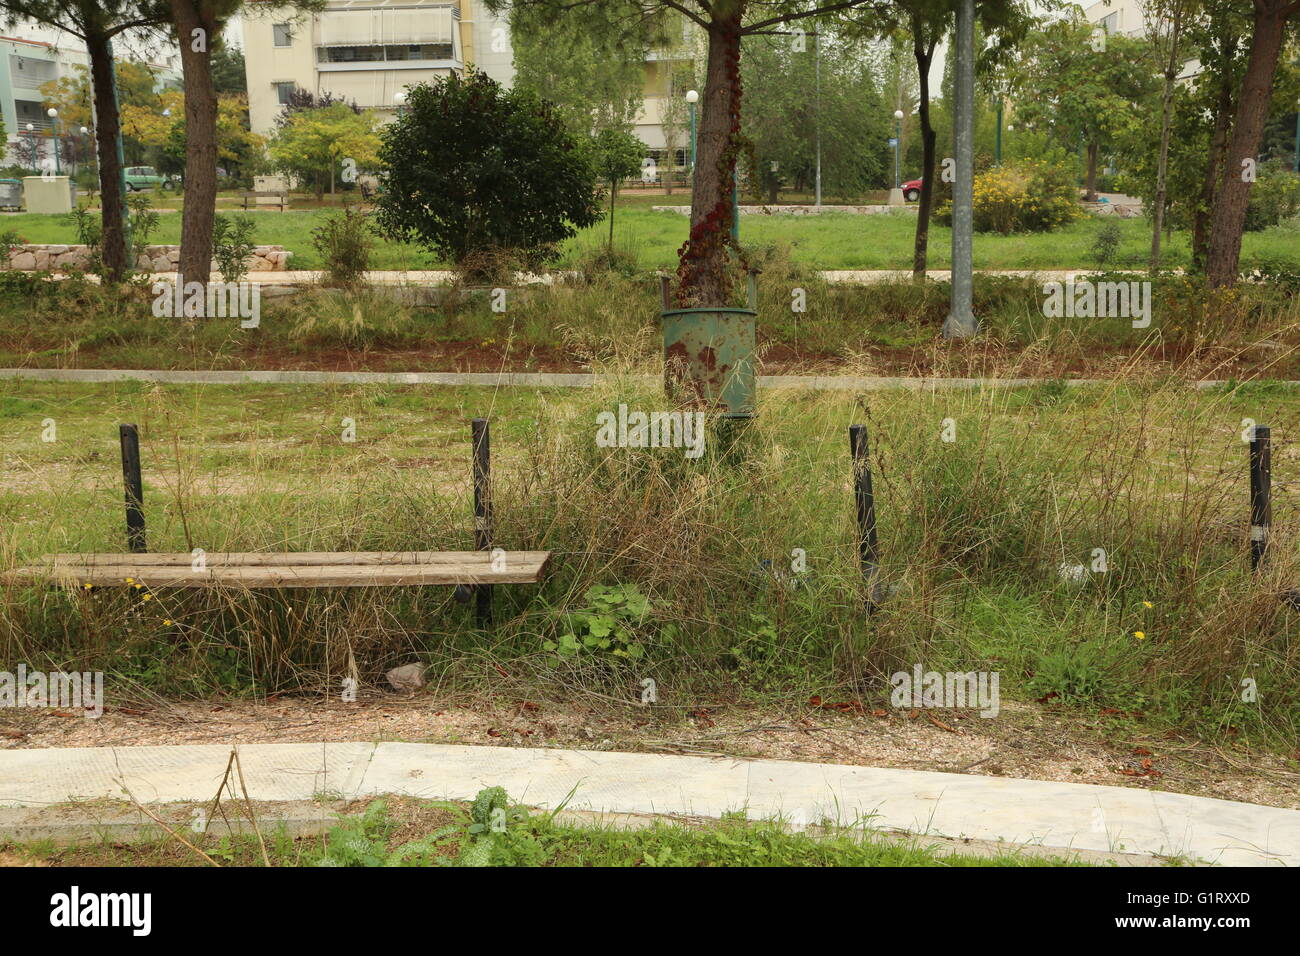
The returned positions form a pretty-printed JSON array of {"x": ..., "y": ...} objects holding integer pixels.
[{"x": 702, "y": 274}]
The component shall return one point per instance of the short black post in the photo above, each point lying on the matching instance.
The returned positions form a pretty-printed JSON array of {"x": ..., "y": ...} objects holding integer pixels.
[
  {"x": 129, "y": 435},
  {"x": 868, "y": 552},
  {"x": 479, "y": 436},
  {"x": 1261, "y": 491}
]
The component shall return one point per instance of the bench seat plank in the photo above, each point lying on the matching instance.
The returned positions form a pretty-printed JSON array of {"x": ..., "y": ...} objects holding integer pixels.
[
  {"x": 465, "y": 567},
  {"x": 271, "y": 559}
]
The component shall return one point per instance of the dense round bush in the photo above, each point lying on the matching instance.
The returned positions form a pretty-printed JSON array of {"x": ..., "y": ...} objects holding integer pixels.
[
  {"x": 1029, "y": 196},
  {"x": 1274, "y": 197}
]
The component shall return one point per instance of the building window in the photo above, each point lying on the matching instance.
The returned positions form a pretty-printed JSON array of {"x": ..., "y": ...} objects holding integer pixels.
[
  {"x": 1109, "y": 23},
  {"x": 283, "y": 92},
  {"x": 281, "y": 34},
  {"x": 372, "y": 54}
]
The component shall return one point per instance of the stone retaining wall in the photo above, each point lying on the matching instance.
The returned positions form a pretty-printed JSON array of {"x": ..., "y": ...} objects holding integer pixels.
[{"x": 57, "y": 258}]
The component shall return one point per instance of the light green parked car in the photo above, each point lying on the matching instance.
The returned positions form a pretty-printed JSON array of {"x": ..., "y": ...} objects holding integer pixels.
[{"x": 146, "y": 177}]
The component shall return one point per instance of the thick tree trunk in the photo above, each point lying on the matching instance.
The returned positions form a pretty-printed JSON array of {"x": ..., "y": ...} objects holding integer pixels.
[
  {"x": 702, "y": 273},
  {"x": 200, "y": 137},
  {"x": 1090, "y": 180},
  {"x": 920, "y": 250},
  {"x": 1166, "y": 120},
  {"x": 1214, "y": 164},
  {"x": 1229, "y": 217},
  {"x": 107, "y": 124}
]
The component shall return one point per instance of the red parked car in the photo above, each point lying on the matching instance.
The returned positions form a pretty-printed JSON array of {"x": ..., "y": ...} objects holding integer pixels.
[{"x": 912, "y": 190}]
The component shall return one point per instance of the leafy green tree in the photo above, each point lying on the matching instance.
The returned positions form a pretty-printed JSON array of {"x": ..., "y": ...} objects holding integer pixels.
[
  {"x": 703, "y": 275},
  {"x": 1085, "y": 88},
  {"x": 586, "y": 64},
  {"x": 473, "y": 168},
  {"x": 314, "y": 144},
  {"x": 228, "y": 73},
  {"x": 1228, "y": 218},
  {"x": 787, "y": 115},
  {"x": 96, "y": 23},
  {"x": 618, "y": 156}
]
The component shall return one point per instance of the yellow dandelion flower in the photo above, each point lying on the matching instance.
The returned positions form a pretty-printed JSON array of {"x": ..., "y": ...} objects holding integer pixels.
[
  {"x": 148, "y": 597},
  {"x": 167, "y": 623},
  {"x": 1140, "y": 635},
  {"x": 1147, "y": 604}
]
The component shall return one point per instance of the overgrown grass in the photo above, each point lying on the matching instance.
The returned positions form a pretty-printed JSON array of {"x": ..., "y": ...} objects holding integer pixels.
[
  {"x": 1253, "y": 329},
  {"x": 828, "y": 241},
  {"x": 973, "y": 533},
  {"x": 464, "y": 834}
]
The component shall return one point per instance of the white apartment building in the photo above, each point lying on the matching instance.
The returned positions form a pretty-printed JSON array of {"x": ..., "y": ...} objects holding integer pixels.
[
  {"x": 365, "y": 51},
  {"x": 33, "y": 54}
]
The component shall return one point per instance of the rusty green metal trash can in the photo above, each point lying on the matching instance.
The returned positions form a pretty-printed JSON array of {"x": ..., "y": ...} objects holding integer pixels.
[{"x": 710, "y": 355}]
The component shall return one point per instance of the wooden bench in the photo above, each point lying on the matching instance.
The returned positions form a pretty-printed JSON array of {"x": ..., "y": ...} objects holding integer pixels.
[
  {"x": 306, "y": 569},
  {"x": 473, "y": 573},
  {"x": 281, "y": 199}
]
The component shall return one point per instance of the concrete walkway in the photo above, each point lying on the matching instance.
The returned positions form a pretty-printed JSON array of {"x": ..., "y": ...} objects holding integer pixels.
[
  {"x": 529, "y": 379},
  {"x": 1061, "y": 816}
]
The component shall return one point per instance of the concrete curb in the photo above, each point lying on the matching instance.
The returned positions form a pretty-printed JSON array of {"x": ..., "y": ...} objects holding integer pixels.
[{"x": 988, "y": 810}]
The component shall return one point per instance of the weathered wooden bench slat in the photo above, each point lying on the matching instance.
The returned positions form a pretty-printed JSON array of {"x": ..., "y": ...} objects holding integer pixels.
[
  {"x": 269, "y": 559},
  {"x": 520, "y": 567}
]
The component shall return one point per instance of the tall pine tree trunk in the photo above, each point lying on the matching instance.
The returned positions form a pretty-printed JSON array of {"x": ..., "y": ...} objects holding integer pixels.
[
  {"x": 1229, "y": 217},
  {"x": 1214, "y": 163},
  {"x": 107, "y": 125},
  {"x": 199, "y": 210}
]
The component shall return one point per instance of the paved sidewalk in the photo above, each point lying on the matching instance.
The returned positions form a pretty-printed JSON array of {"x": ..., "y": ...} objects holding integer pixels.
[{"x": 1062, "y": 816}]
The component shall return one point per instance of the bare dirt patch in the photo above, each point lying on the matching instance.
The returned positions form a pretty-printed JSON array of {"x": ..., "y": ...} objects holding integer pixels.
[{"x": 1028, "y": 741}]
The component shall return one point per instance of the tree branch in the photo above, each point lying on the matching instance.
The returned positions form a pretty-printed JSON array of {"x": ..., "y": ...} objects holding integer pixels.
[{"x": 815, "y": 12}]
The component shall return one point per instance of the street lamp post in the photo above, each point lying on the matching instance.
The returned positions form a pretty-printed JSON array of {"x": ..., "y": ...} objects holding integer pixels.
[
  {"x": 31, "y": 142},
  {"x": 692, "y": 97},
  {"x": 896, "y": 194},
  {"x": 1296, "y": 167},
  {"x": 53, "y": 114},
  {"x": 997, "y": 143}
]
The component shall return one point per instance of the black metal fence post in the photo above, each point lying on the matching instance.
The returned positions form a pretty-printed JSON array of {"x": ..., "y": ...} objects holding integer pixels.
[
  {"x": 1261, "y": 491},
  {"x": 129, "y": 437},
  {"x": 482, "y": 469},
  {"x": 868, "y": 552}
]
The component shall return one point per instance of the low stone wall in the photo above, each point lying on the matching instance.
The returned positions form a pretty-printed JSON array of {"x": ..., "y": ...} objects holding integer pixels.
[{"x": 56, "y": 258}]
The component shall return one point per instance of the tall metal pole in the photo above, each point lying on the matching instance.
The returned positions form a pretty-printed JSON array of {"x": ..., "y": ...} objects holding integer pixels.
[
  {"x": 1261, "y": 487},
  {"x": 817, "y": 59},
  {"x": 54, "y": 132},
  {"x": 482, "y": 474},
  {"x": 1296, "y": 167},
  {"x": 898, "y": 140},
  {"x": 997, "y": 143},
  {"x": 961, "y": 322},
  {"x": 692, "y": 105}
]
